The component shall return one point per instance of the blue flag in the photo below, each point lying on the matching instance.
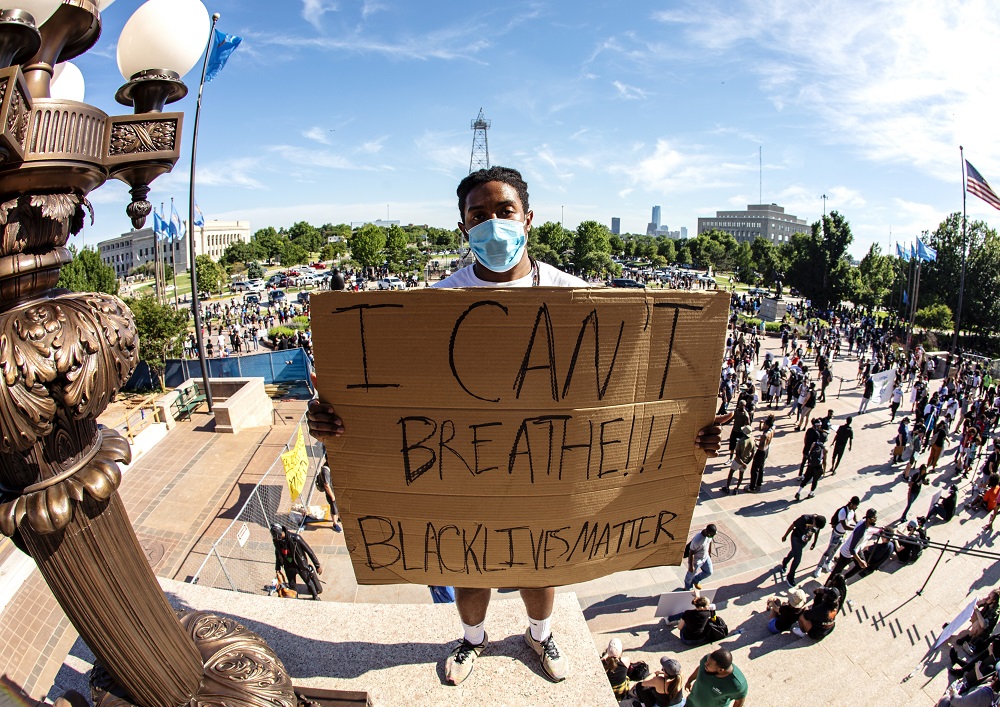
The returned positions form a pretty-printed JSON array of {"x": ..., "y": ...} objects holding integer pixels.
[
  {"x": 222, "y": 46},
  {"x": 913, "y": 252},
  {"x": 925, "y": 252},
  {"x": 902, "y": 254},
  {"x": 160, "y": 226},
  {"x": 176, "y": 225},
  {"x": 199, "y": 217},
  {"x": 906, "y": 300}
]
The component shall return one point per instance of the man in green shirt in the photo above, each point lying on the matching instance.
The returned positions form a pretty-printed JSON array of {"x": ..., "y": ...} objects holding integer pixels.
[{"x": 717, "y": 682}]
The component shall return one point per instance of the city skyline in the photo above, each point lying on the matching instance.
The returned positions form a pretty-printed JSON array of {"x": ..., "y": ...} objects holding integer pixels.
[{"x": 384, "y": 94}]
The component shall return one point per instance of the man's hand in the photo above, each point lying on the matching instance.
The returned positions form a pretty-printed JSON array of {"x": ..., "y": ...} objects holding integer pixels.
[
  {"x": 319, "y": 570},
  {"x": 323, "y": 421},
  {"x": 709, "y": 438}
]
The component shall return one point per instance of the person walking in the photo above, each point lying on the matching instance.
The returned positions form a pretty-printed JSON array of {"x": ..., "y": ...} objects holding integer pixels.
[
  {"x": 325, "y": 484},
  {"x": 744, "y": 453},
  {"x": 807, "y": 407},
  {"x": 814, "y": 433},
  {"x": 866, "y": 396},
  {"x": 842, "y": 522},
  {"x": 699, "y": 557},
  {"x": 803, "y": 529},
  {"x": 716, "y": 682},
  {"x": 760, "y": 456},
  {"x": 917, "y": 480},
  {"x": 292, "y": 555},
  {"x": 896, "y": 400},
  {"x": 815, "y": 466},
  {"x": 938, "y": 439},
  {"x": 844, "y": 438}
]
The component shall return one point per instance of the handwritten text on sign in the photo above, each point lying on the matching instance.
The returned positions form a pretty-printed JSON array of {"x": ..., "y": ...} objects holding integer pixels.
[{"x": 516, "y": 437}]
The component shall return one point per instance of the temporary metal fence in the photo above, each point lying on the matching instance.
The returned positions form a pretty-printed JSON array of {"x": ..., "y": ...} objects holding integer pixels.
[
  {"x": 242, "y": 558},
  {"x": 286, "y": 366}
]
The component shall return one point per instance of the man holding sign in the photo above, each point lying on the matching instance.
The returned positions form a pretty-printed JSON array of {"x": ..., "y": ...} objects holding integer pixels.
[{"x": 493, "y": 204}]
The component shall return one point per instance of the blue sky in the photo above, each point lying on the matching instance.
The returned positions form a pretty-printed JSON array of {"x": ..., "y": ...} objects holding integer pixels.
[{"x": 341, "y": 110}]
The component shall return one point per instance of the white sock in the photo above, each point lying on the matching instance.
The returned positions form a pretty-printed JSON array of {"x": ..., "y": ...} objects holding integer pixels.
[
  {"x": 541, "y": 629},
  {"x": 475, "y": 634}
]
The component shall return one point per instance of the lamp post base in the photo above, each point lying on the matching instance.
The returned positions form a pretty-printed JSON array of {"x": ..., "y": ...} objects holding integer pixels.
[{"x": 241, "y": 670}]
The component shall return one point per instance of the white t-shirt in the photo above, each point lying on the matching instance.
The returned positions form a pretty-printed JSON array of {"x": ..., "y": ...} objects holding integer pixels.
[
  {"x": 548, "y": 276},
  {"x": 701, "y": 545},
  {"x": 897, "y": 396}
]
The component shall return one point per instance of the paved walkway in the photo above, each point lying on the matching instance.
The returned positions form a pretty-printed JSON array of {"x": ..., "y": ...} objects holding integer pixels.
[{"x": 181, "y": 496}]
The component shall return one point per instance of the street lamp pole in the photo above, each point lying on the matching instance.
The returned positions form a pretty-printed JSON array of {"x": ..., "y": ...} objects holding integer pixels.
[{"x": 59, "y": 473}]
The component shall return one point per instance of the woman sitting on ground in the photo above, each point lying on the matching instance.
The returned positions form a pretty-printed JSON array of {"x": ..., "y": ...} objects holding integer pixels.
[
  {"x": 819, "y": 620},
  {"x": 616, "y": 668},
  {"x": 663, "y": 689},
  {"x": 786, "y": 614},
  {"x": 984, "y": 620},
  {"x": 691, "y": 627}
]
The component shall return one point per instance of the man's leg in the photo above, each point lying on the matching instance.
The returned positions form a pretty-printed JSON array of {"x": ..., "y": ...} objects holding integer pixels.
[
  {"x": 538, "y": 603},
  {"x": 472, "y": 605},
  {"x": 838, "y": 453},
  {"x": 796, "y": 557}
]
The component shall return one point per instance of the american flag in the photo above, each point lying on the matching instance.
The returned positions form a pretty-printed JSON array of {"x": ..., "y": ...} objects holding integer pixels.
[{"x": 978, "y": 186}]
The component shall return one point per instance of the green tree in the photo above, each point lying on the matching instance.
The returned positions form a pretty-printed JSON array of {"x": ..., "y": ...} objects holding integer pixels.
[
  {"x": 543, "y": 253},
  {"x": 818, "y": 263},
  {"x": 876, "y": 277},
  {"x": 598, "y": 263},
  {"x": 617, "y": 244},
  {"x": 209, "y": 273},
  {"x": 269, "y": 242},
  {"x": 237, "y": 252},
  {"x": 937, "y": 316},
  {"x": 713, "y": 249},
  {"x": 553, "y": 235},
  {"x": 396, "y": 244},
  {"x": 591, "y": 238},
  {"x": 367, "y": 245},
  {"x": 306, "y": 236},
  {"x": 767, "y": 260},
  {"x": 161, "y": 330},
  {"x": 743, "y": 265},
  {"x": 666, "y": 248},
  {"x": 332, "y": 251},
  {"x": 255, "y": 271},
  {"x": 87, "y": 273},
  {"x": 293, "y": 254}
]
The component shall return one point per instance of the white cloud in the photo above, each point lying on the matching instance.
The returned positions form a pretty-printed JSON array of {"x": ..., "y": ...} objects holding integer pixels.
[
  {"x": 455, "y": 42},
  {"x": 313, "y": 10},
  {"x": 281, "y": 213},
  {"x": 308, "y": 157},
  {"x": 668, "y": 170},
  {"x": 901, "y": 82},
  {"x": 629, "y": 93},
  {"x": 372, "y": 147},
  {"x": 444, "y": 152},
  {"x": 317, "y": 134},
  {"x": 370, "y": 7}
]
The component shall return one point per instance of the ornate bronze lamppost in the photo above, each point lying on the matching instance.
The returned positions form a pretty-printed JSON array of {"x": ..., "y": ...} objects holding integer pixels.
[{"x": 63, "y": 357}]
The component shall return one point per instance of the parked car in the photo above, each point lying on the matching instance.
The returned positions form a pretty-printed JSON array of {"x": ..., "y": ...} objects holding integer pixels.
[
  {"x": 754, "y": 291},
  {"x": 276, "y": 296},
  {"x": 302, "y": 298},
  {"x": 318, "y": 265},
  {"x": 626, "y": 282},
  {"x": 279, "y": 280},
  {"x": 251, "y": 298},
  {"x": 256, "y": 285},
  {"x": 239, "y": 286},
  {"x": 391, "y": 283}
]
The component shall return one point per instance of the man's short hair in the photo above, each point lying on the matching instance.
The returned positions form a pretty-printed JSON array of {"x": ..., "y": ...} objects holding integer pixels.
[
  {"x": 710, "y": 529},
  {"x": 722, "y": 658},
  {"x": 506, "y": 175},
  {"x": 855, "y": 501}
]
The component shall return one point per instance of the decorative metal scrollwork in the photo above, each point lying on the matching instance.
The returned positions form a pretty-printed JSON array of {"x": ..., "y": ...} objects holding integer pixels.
[{"x": 148, "y": 136}]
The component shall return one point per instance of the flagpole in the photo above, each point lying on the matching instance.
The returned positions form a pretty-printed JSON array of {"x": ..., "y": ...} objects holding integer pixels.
[
  {"x": 194, "y": 270},
  {"x": 913, "y": 305},
  {"x": 961, "y": 282},
  {"x": 173, "y": 260},
  {"x": 156, "y": 266}
]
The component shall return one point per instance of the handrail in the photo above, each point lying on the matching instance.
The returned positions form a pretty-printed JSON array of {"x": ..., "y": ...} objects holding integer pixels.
[{"x": 130, "y": 429}]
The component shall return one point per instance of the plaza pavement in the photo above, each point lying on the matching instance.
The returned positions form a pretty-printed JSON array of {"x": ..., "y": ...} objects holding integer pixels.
[{"x": 178, "y": 496}]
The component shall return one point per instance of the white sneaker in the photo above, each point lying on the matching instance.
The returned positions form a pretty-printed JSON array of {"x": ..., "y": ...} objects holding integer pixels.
[
  {"x": 816, "y": 572},
  {"x": 553, "y": 662},
  {"x": 797, "y": 630}
]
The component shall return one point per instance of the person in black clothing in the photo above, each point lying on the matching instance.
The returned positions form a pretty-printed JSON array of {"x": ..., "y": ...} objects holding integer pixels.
[
  {"x": 815, "y": 466},
  {"x": 292, "y": 555},
  {"x": 819, "y": 620},
  {"x": 866, "y": 396},
  {"x": 844, "y": 438},
  {"x": 812, "y": 434},
  {"x": 691, "y": 627},
  {"x": 911, "y": 545},
  {"x": 875, "y": 555},
  {"x": 805, "y": 528},
  {"x": 324, "y": 484},
  {"x": 944, "y": 507}
]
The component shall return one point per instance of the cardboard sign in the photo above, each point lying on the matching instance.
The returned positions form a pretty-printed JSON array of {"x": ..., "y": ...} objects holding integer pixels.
[{"x": 523, "y": 437}]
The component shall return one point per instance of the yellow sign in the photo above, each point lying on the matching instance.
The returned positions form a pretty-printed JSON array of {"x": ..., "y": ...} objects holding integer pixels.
[{"x": 296, "y": 463}]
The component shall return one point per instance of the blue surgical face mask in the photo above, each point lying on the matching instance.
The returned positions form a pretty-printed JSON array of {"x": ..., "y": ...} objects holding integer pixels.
[{"x": 498, "y": 244}]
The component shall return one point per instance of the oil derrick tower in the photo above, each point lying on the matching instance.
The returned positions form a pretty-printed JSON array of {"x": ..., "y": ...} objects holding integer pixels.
[{"x": 480, "y": 146}]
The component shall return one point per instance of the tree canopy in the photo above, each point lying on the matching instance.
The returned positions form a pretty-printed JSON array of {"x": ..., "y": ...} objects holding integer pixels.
[{"x": 87, "y": 273}]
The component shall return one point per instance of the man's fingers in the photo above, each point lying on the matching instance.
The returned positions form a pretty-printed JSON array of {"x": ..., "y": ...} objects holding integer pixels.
[{"x": 723, "y": 419}]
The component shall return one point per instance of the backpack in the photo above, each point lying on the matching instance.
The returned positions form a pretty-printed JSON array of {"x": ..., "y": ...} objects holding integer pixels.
[
  {"x": 687, "y": 550},
  {"x": 833, "y": 518},
  {"x": 816, "y": 453},
  {"x": 716, "y": 629}
]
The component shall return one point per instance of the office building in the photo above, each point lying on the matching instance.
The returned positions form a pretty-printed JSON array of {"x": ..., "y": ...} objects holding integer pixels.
[
  {"x": 136, "y": 248},
  {"x": 616, "y": 226},
  {"x": 758, "y": 221}
]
